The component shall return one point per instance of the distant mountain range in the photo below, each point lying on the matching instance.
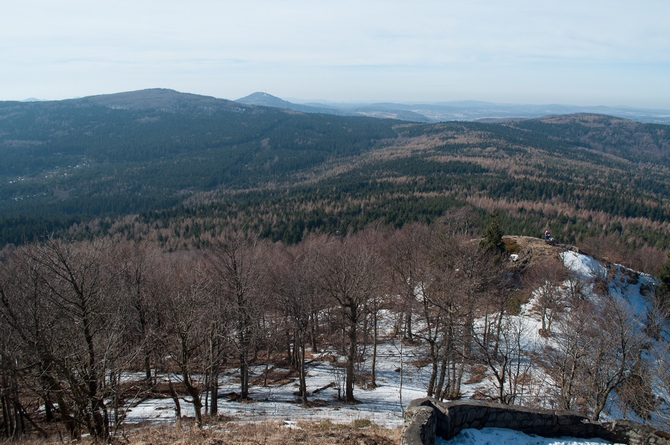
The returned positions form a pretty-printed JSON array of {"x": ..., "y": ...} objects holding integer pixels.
[
  {"x": 160, "y": 158},
  {"x": 455, "y": 111}
]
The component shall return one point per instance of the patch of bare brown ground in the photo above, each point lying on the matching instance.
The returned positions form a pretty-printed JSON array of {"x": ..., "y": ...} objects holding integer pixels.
[
  {"x": 360, "y": 432},
  {"x": 533, "y": 250}
]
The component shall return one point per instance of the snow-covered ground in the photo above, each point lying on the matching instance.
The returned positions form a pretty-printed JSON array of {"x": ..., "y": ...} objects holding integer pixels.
[
  {"x": 401, "y": 377},
  {"x": 501, "y": 436},
  {"x": 381, "y": 405},
  {"x": 629, "y": 293}
]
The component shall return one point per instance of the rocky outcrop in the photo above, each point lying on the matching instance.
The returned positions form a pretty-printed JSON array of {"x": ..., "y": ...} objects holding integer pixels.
[{"x": 427, "y": 418}]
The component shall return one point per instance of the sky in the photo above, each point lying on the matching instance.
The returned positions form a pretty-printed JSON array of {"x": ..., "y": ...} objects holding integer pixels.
[{"x": 580, "y": 52}]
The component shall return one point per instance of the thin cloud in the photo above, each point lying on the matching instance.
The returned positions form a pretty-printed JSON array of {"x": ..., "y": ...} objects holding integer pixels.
[{"x": 289, "y": 48}]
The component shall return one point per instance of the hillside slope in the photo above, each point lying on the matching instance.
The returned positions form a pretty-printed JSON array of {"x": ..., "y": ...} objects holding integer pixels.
[
  {"x": 282, "y": 172},
  {"x": 268, "y": 100},
  {"x": 525, "y": 353}
]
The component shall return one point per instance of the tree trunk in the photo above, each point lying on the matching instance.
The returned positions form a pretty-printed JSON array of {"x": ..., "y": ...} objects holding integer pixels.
[
  {"x": 175, "y": 399},
  {"x": 69, "y": 421},
  {"x": 433, "y": 372},
  {"x": 214, "y": 393},
  {"x": 244, "y": 344},
  {"x": 458, "y": 378},
  {"x": 303, "y": 374},
  {"x": 244, "y": 377},
  {"x": 24, "y": 415},
  {"x": 213, "y": 371},
  {"x": 313, "y": 324},
  {"x": 408, "y": 326},
  {"x": 439, "y": 391},
  {"x": 375, "y": 334},
  {"x": 145, "y": 348},
  {"x": 351, "y": 359},
  {"x": 100, "y": 419},
  {"x": 147, "y": 367},
  {"x": 290, "y": 357},
  {"x": 195, "y": 400},
  {"x": 49, "y": 408},
  {"x": 8, "y": 421}
]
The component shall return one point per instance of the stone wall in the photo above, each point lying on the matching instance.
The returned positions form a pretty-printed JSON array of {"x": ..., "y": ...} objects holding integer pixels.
[{"x": 427, "y": 418}]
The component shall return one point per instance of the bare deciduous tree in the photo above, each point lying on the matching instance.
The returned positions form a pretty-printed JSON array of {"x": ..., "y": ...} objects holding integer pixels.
[
  {"x": 185, "y": 308},
  {"x": 235, "y": 262},
  {"x": 550, "y": 300},
  {"x": 598, "y": 347},
  {"x": 348, "y": 274},
  {"x": 295, "y": 294},
  {"x": 138, "y": 263},
  {"x": 63, "y": 308},
  {"x": 564, "y": 358},
  {"x": 615, "y": 349}
]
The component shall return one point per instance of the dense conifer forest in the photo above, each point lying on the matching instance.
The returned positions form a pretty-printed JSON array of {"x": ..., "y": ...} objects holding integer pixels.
[{"x": 170, "y": 167}]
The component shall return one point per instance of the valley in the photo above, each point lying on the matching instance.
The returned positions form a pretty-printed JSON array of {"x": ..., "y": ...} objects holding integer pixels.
[
  {"x": 156, "y": 163},
  {"x": 169, "y": 256}
]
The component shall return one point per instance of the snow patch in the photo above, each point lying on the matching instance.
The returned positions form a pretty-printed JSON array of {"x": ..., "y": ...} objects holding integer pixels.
[
  {"x": 582, "y": 265},
  {"x": 502, "y": 436}
]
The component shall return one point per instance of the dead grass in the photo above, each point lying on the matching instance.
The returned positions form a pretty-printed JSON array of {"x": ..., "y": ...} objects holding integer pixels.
[
  {"x": 359, "y": 432},
  {"x": 276, "y": 377},
  {"x": 421, "y": 362},
  {"x": 477, "y": 374},
  {"x": 511, "y": 244}
]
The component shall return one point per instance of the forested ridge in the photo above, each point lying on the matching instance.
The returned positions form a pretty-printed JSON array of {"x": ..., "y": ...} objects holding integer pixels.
[
  {"x": 157, "y": 163},
  {"x": 180, "y": 236}
]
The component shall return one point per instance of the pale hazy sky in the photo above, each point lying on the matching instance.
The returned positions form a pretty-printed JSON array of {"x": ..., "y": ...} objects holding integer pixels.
[{"x": 583, "y": 52}]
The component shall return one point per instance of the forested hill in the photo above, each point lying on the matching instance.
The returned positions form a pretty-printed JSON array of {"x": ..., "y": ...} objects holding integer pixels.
[
  {"x": 630, "y": 140},
  {"x": 132, "y": 152},
  {"x": 185, "y": 165}
]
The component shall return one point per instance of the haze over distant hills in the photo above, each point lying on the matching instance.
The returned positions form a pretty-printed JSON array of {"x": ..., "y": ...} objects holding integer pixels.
[{"x": 468, "y": 110}]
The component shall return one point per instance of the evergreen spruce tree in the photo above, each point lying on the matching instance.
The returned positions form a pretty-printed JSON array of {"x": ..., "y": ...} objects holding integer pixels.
[{"x": 493, "y": 235}]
